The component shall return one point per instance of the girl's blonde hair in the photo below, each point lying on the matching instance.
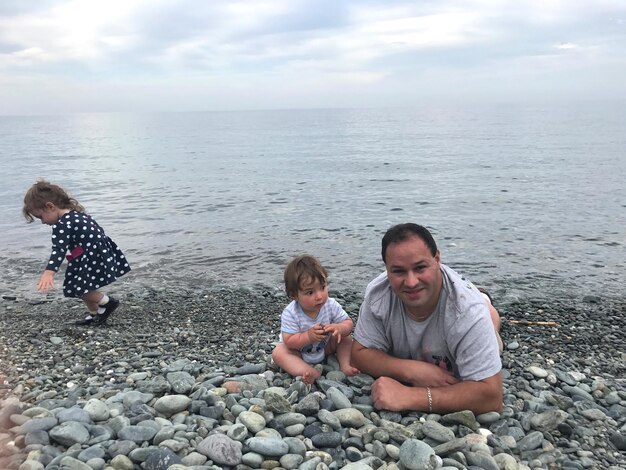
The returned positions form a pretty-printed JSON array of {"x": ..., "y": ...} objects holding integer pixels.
[{"x": 43, "y": 192}]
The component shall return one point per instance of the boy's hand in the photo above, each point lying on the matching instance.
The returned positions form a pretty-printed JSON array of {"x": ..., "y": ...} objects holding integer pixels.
[
  {"x": 334, "y": 330},
  {"x": 46, "y": 281},
  {"x": 316, "y": 334}
]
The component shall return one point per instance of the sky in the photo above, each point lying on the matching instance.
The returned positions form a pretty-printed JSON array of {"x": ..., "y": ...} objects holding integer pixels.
[{"x": 68, "y": 56}]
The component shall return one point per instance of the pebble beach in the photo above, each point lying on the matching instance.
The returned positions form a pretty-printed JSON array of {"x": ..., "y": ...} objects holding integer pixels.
[{"x": 182, "y": 380}]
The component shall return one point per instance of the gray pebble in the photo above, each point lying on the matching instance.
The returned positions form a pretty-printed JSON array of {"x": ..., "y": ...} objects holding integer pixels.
[{"x": 416, "y": 455}]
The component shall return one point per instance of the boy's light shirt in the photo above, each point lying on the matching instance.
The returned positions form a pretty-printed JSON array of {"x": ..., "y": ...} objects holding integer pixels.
[{"x": 293, "y": 320}]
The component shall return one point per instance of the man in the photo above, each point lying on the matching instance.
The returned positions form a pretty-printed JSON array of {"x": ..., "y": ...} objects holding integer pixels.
[{"x": 426, "y": 333}]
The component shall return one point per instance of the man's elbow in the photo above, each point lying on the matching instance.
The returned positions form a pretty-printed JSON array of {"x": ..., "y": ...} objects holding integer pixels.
[
  {"x": 357, "y": 356},
  {"x": 492, "y": 396},
  {"x": 492, "y": 404}
]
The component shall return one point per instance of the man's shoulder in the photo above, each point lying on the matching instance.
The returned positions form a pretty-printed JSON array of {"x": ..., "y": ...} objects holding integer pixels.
[
  {"x": 463, "y": 298},
  {"x": 378, "y": 287},
  {"x": 378, "y": 294}
]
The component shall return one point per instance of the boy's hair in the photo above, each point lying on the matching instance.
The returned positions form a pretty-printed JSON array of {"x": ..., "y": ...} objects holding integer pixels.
[
  {"x": 399, "y": 233},
  {"x": 43, "y": 192},
  {"x": 301, "y": 269}
]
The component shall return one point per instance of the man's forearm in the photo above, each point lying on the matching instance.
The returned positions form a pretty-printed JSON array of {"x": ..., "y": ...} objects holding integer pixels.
[
  {"x": 478, "y": 396},
  {"x": 378, "y": 363}
]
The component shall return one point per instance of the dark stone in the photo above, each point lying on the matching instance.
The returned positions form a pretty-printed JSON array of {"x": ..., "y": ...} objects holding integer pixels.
[
  {"x": 618, "y": 440},
  {"x": 161, "y": 459},
  {"x": 326, "y": 439},
  {"x": 312, "y": 430},
  {"x": 353, "y": 442}
]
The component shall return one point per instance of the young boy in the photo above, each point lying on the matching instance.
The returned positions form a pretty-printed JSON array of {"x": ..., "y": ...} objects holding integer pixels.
[{"x": 313, "y": 324}]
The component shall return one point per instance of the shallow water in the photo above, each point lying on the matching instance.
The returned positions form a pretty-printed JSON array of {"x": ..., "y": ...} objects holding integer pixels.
[{"x": 525, "y": 201}]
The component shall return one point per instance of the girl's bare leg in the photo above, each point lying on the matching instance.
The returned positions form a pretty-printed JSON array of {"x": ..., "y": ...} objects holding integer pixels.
[
  {"x": 292, "y": 363},
  {"x": 91, "y": 300}
]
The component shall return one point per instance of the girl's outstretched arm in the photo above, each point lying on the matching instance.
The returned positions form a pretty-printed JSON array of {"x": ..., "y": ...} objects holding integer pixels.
[{"x": 46, "y": 281}]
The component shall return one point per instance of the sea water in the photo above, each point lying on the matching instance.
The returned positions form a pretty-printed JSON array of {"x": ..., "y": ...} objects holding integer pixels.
[{"x": 527, "y": 201}]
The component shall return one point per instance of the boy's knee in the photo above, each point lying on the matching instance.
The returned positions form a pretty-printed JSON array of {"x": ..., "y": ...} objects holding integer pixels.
[{"x": 276, "y": 353}]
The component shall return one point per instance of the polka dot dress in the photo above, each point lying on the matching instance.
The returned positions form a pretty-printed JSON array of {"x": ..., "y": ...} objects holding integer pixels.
[{"x": 100, "y": 263}]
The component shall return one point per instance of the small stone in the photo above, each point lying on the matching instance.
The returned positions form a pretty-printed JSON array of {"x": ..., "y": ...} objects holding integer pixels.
[
  {"x": 350, "y": 417},
  {"x": 276, "y": 403},
  {"x": 327, "y": 417},
  {"x": 437, "y": 431},
  {"x": 180, "y": 381},
  {"x": 172, "y": 404},
  {"x": 326, "y": 439},
  {"x": 238, "y": 432},
  {"x": 74, "y": 464},
  {"x": 465, "y": 417},
  {"x": 417, "y": 455},
  {"x": 353, "y": 454},
  {"x": 291, "y": 461},
  {"x": 548, "y": 420},
  {"x": 481, "y": 460},
  {"x": 161, "y": 459},
  {"x": 252, "y": 459},
  {"x": 531, "y": 441},
  {"x": 121, "y": 462},
  {"x": 338, "y": 398},
  {"x": 488, "y": 418},
  {"x": 309, "y": 405},
  {"x": 69, "y": 433},
  {"x": 253, "y": 421},
  {"x": 271, "y": 447},
  {"x": 97, "y": 410},
  {"x": 289, "y": 419},
  {"x": 618, "y": 440},
  {"x": 221, "y": 449},
  {"x": 593, "y": 414},
  {"x": 138, "y": 434},
  {"x": 451, "y": 446},
  {"x": 537, "y": 372},
  {"x": 506, "y": 461},
  {"x": 194, "y": 459}
]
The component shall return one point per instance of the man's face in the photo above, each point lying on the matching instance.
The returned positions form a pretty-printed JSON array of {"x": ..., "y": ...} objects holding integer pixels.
[{"x": 415, "y": 276}]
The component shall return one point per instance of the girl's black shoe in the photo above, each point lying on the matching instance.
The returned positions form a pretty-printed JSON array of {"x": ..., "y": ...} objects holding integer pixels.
[
  {"x": 109, "y": 308},
  {"x": 85, "y": 321}
]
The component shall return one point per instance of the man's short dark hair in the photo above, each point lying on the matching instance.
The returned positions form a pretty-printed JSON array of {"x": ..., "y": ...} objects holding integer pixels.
[{"x": 399, "y": 233}]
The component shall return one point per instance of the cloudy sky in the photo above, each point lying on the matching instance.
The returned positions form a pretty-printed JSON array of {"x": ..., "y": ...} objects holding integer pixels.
[{"x": 60, "y": 56}]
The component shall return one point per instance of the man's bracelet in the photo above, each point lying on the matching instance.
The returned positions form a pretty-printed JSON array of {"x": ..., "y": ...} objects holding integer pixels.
[{"x": 430, "y": 399}]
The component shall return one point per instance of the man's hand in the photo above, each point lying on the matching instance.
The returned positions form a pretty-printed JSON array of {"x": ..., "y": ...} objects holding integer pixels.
[
  {"x": 46, "y": 281},
  {"x": 425, "y": 374},
  {"x": 409, "y": 371},
  {"x": 389, "y": 394},
  {"x": 316, "y": 334}
]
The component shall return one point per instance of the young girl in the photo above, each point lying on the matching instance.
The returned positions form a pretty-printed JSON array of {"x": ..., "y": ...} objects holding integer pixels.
[
  {"x": 94, "y": 260},
  {"x": 313, "y": 325}
]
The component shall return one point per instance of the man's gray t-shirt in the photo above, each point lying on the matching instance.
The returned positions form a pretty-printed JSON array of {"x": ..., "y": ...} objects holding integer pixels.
[{"x": 458, "y": 336}]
